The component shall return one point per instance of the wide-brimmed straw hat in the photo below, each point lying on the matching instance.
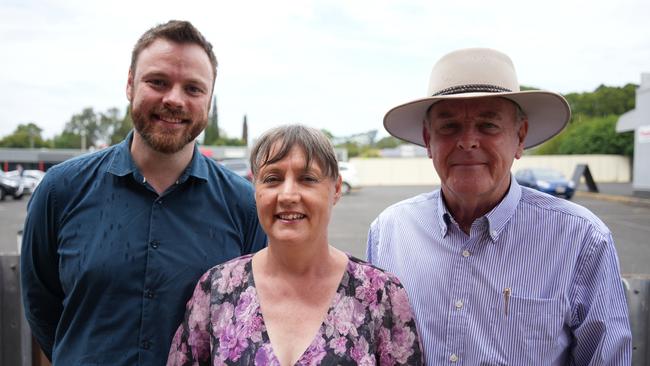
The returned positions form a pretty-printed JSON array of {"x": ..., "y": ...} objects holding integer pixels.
[{"x": 480, "y": 73}]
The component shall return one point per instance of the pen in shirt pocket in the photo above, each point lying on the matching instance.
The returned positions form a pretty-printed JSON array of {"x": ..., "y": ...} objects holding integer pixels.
[{"x": 506, "y": 299}]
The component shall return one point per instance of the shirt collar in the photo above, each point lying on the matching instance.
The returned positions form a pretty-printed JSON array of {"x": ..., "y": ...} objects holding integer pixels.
[
  {"x": 497, "y": 218},
  {"x": 122, "y": 163}
]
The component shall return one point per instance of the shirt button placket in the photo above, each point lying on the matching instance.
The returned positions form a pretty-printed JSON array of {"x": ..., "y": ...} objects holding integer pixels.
[{"x": 145, "y": 344}]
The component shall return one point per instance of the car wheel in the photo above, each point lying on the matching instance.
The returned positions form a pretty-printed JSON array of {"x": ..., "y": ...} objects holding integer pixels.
[
  {"x": 345, "y": 188},
  {"x": 2, "y": 194}
]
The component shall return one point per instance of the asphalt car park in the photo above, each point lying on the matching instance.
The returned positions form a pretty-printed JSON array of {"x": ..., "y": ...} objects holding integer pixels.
[{"x": 629, "y": 223}]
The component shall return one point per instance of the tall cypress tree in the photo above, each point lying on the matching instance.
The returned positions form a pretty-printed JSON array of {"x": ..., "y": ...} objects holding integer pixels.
[
  {"x": 244, "y": 134},
  {"x": 212, "y": 130}
]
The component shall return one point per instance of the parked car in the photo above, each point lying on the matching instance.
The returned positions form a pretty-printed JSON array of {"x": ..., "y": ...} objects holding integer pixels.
[
  {"x": 10, "y": 186},
  {"x": 349, "y": 175},
  {"x": 240, "y": 166},
  {"x": 546, "y": 180},
  {"x": 30, "y": 178}
]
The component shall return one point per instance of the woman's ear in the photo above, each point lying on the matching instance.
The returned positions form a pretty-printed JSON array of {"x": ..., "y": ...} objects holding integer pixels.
[{"x": 337, "y": 191}]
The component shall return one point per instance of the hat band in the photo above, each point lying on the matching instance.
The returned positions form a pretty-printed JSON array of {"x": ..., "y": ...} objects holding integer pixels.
[{"x": 472, "y": 88}]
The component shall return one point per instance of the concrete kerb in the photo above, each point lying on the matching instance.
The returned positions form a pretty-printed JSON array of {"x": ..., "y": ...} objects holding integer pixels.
[{"x": 637, "y": 201}]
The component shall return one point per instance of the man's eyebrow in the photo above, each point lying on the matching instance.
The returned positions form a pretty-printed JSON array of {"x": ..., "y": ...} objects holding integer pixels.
[
  {"x": 444, "y": 114},
  {"x": 151, "y": 74},
  {"x": 162, "y": 74},
  {"x": 489, "y": 114}
]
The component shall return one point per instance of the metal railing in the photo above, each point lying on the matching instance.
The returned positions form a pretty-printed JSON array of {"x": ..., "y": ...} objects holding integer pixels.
[{"x": 637, "y": 289}]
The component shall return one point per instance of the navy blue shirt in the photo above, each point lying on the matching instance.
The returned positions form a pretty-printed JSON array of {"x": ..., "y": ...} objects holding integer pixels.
[{"x": 107, "y": 264}]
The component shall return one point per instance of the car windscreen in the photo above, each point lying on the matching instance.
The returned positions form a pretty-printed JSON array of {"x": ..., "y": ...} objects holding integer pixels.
[{"x": 548, "y": 174}]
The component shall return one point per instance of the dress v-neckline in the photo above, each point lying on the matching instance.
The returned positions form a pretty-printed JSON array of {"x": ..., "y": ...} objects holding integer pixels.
[{"x": 345, "y": 278}]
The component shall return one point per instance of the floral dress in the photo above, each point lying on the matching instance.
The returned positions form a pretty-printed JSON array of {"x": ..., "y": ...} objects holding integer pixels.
[{"x": 369, "y": 322}]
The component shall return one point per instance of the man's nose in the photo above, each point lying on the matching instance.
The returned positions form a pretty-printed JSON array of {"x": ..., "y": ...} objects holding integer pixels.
[
  {"x": 173, "y": 98},
  {"x": 468, "y": 139}
]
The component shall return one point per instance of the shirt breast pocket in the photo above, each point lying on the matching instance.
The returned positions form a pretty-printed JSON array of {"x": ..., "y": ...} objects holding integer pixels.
[
  {"x": 536, "y": 319},
  {"x": 530, "y": 328}
]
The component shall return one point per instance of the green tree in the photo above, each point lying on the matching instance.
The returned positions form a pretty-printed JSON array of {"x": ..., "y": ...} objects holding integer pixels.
[
  {"x": 603, "y": 101},
  {"x": 123, "y": 128},
  {"x": 593, "y": 121},
  {"x": 228, "y": 141},
  {"x": 26, "y": 135},
  {"x": 327, "y": 133},
  {"x": 212, "y": 133},
  {"x": 244, "y": 132},
  {"x": 66, "y": 140},
  {"x": 388, "y": 142},
  {"x": 592, "y": 135},
  {"x": 354, "y": 149},
  {"x": 85, "y": 126}
]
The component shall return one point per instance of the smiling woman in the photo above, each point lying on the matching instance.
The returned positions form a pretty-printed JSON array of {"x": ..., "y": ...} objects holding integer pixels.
[{"x": 300, "y": 301}]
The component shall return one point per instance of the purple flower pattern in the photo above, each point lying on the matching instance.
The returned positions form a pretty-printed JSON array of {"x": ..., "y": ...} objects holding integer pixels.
[{"x": 368, "y": 323}]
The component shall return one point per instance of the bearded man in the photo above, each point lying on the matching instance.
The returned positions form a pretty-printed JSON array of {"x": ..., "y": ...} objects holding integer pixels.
[{"x": 114, "y": 241}]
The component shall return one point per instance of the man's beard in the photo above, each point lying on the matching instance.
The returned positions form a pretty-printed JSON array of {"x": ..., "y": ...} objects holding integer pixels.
[{"x": 159, "y": 139}]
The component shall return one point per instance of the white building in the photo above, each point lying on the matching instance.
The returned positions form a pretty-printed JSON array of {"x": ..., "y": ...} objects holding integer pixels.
[{"x": 638, "y": 120}]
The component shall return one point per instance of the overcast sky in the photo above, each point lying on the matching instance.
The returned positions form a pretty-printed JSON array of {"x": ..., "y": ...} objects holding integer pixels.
[{"x": 331, "y": 64}]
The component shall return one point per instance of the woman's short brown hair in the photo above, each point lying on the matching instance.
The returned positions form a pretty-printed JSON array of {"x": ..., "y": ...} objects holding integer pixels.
[{"x": 275, "y": 144}]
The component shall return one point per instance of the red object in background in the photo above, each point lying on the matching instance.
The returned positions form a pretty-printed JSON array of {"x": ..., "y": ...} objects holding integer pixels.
[{"x": 206, "y": 152}]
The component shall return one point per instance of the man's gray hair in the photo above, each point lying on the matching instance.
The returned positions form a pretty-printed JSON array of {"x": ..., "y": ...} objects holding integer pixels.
[{"x": 275, "y": 144}]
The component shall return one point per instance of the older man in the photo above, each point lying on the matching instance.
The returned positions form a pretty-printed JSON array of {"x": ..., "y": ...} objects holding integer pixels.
[
  {"x": 114, "y": 241},
  {"x": 498, "y": 274}
]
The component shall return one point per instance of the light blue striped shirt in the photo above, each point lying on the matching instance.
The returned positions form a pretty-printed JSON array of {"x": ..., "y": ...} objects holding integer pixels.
[{"x": 536, "y": 282}]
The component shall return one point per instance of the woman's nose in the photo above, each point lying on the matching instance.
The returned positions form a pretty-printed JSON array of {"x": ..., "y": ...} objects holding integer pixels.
[{"x": 289, "y": 192}]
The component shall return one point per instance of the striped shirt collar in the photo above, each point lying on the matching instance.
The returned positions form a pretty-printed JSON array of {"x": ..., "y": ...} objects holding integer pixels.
[{"x": 496, "y": 219}]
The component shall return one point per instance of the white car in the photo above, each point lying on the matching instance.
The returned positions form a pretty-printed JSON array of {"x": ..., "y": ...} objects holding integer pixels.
[
  {"x": 349, "y": 175},
  {"x": 30, "y": 178}
]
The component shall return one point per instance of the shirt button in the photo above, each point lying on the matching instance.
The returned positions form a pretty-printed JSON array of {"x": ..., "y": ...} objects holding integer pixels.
[
  {"x": 466, "y": 253},
  {"x": 145, "y": 344},
  {"x": 494, "y": 233},
  {"x": 458, "y": 304},
  {"x": 155, "y": 244},
  {"x": 453, "y": 357},
  {"x": 148, "y": 294}
]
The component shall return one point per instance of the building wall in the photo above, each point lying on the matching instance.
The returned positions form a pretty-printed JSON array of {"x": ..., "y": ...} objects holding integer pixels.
[
  {"x": 641, "y": 180},
  {"x": 419, "y": 171},
  {"x": 641, "y": 156}
]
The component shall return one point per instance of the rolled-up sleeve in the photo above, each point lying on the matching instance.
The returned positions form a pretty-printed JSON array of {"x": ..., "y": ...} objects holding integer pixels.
[{"x": 42, "y": 294}]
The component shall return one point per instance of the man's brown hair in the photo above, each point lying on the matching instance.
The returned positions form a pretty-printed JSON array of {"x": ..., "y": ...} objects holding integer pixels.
[{"x": 178, "y": 31}]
